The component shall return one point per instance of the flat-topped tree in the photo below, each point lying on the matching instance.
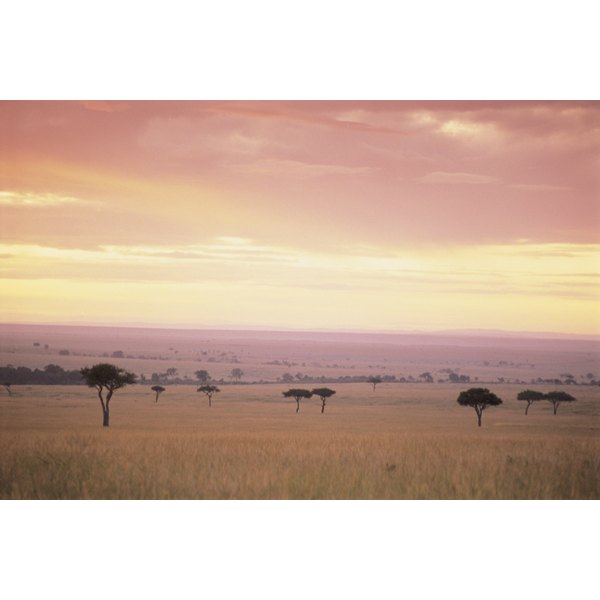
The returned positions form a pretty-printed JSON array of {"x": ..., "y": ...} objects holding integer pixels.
[
  {"x": 557, "y": 397},
  {"x": 297, "y": 395},
  {"x": 479, "y": 399},
  {"x": 107, "y": 379},
  {"x": 374, "y": 381},
  {"x": 159, "y": 389},
  {"x": 530, "y": 396},
  {"x": 323, "y": 393},
  {"x": 209, "y": 390}
]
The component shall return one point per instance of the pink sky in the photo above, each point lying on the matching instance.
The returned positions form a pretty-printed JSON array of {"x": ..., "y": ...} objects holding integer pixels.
[{"x": 155, "y": 192}]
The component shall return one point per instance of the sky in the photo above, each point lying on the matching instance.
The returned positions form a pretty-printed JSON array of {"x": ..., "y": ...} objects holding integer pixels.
[{"x": 379, "y": 216}]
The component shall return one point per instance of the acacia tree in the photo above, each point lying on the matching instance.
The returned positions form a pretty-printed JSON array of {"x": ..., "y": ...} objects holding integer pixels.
[
  {"x": 7, "y": 386},
  {"x": 209, "y": 390},
  {"x": 159, "y": 389},
  {"x": 202, "y": 376},
  {"x": 557, "y": 397},
  {"x": 237, "y": 373},
  {"x": 530, "y": 396},
  {"x": 374, "y": 381},
  {"x": 323, "y": 393},
  {"x": 106, "y": 378},
  {"x": 479, "y": 399},
  {"x": 297, "y": 394}
]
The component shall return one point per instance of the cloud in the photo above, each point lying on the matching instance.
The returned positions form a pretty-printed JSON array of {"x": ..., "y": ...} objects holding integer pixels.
[
  {"x": 295, "y": 168},
  {"x": 457, "y": 177},
  {"x": 8, "y": 198}
]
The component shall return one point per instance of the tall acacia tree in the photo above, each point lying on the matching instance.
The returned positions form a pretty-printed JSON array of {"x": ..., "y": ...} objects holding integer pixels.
[
  {"x": 530, "y": 396},
  {"x": 107, "y": 379},
  {"x": 479, "y": 399},
  {"x": 557, "y": 397},
  {"x": 159, "y": 389},
  {"x": 209, "y": 390},
  {"x": 374, "y": 381},
  {"x": 323, "y": 393},
  {"x": 297, "y": 395}
]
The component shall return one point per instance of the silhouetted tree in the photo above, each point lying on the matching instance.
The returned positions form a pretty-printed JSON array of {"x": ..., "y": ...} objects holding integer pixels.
[
  {"x": 202, "y": 376},
  {"x": 287, "y": 378},
  {"x": 237, "y": 374},
  {"x": 427, "y": 377},
  {"x": 297, "y": 394},
  {"x": 209, "y": 390},
  {"x": 479, "y": 399},
  {"x": 557, "y": 397},
  {"x": 172, "y": 372},
  {"x": 323, "y": 393},
  {"x": 374, "y": 381},
  {"x": 530, "y": 396},
  {"x": 456, "y": 378},
  {"x": 7, "y": 386},
  {"x": 106, "y": 378},
  {"x": 159, "y": 389}
]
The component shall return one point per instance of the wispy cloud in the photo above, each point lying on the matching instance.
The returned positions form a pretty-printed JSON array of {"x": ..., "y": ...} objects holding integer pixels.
[
  {"x": 457, "y": 177},
  {"x": 8, "y": 198},
  {"x": 297, "y": 168}
]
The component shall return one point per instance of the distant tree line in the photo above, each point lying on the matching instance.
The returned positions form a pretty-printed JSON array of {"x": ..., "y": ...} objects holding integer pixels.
[
  {"x": 55, "y": 375},
  {"x": 49, "y": 375}
]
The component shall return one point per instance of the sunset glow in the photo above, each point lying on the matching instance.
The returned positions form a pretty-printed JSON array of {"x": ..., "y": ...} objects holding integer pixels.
[{"x": 303, "y": 215}]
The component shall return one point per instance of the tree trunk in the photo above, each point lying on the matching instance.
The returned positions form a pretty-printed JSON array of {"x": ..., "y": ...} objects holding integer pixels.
[
  {"x": 479, "y": 412},
  {"x": 528, "y": 405},
  {"x": 555, "y": 406},
  {"x": 106, "y": 409},
  {"x": 156, "y": 397},
  {"x": 323, "y": 407},
  {"x": 209, "y": 401},
  {"x": 297, "y": 404}
]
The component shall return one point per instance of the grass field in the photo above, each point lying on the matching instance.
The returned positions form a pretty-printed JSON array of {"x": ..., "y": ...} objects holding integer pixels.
[{"x": 401, "y": 441}]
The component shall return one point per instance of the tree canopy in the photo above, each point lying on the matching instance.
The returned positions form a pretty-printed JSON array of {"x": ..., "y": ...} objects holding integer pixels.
[
  {"x": 105, "y": 375},
  {"x": 374, "y": 381},
  {"x": 202, "y": 376},
  {"x": 479, "y": 399},
  {"x": 323, "y": 393},
  {"x": 159, "y": 389},
  {"x": 557, "y": 397},
  {"x": 297, "y": 394},
  {"x": 209, "y": 390},
  {"x": 530, "y": 396}
]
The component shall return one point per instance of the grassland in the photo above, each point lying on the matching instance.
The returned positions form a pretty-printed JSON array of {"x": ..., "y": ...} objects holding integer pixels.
[{"x": 401, "y": 441}]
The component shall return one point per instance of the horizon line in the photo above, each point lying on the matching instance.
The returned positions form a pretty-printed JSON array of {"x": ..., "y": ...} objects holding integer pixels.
[{"x": 475, "y": 332}]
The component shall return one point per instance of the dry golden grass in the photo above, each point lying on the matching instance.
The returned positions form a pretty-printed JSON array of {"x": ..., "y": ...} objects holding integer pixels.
[{"x": 398, "y": 442}]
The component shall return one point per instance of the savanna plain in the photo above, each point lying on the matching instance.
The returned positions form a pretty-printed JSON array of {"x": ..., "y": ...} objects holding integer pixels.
[{"x": 398, "y": 441}]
